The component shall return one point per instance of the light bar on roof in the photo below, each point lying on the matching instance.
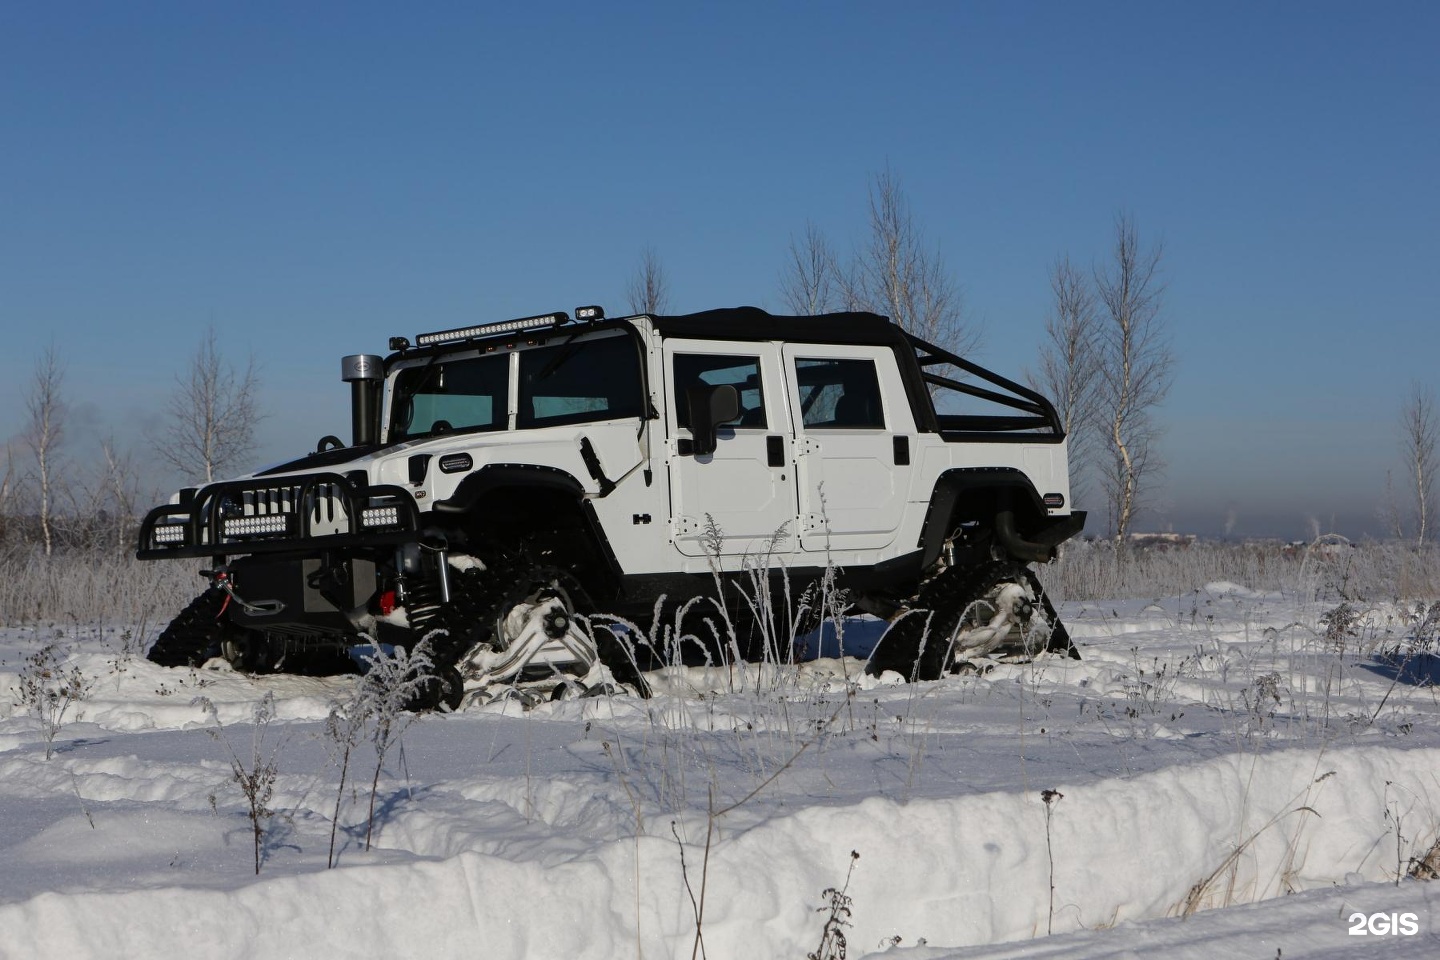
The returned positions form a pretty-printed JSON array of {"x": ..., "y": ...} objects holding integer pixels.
[{"x": 490, "y": 329}]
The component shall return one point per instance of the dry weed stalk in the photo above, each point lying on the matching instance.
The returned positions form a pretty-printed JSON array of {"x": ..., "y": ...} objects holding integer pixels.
[
  {"x": 1198, "y": 895},
  {"x": 1050, "y": 798},
  {"x": 49, "y": 685},
  {"x": 837, "y": 904},
  {"x": 255, "y": 777}
]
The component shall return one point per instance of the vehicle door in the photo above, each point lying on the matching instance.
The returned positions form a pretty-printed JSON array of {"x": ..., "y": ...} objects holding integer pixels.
[
  {"x": 853, "y": 430},
  {"x": 747, "y": 486}
]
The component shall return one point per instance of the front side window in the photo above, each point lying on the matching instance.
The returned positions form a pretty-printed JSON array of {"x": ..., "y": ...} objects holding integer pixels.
[
  {"x": 441, "y": 396},
  {"x": 579, "y": 382},
  {"x": 743, "y": 373},
  {"x": 839, "y": 394}
]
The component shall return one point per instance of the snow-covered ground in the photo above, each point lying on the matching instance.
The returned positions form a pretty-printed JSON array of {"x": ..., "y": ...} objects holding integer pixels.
[{"x": 1234, "y": 774}]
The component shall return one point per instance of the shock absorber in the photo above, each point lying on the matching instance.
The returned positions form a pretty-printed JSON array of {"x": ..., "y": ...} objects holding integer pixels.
[{"x": 424, "y": 600}]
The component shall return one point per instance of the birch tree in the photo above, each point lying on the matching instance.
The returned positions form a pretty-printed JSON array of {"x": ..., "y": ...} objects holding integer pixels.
[
  {"x": 209, "y": 421},
  {"x": 1418, "y": 434},
  {"x": 648, "y": 290},
  {"x": 1069, "y": 371},
  {"x": 1135, "y": 370},
  {"x": 116, "y": 488},
  {"x": 896, "y": 274},
  {"x": 46, "y": 414},
  {"x": 811, "y": 283},
  {"x": 9, "y": 481}
]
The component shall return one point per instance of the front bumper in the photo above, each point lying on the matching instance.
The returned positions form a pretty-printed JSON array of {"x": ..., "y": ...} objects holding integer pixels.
[{"x": 306, "y": 513}]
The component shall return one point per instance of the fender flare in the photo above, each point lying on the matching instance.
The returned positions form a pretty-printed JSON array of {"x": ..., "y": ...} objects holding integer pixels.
[
  {"x": 471, "y": 491},
  {"x": 495, "y": 476},
  {"x": 1015, "y": 493}
]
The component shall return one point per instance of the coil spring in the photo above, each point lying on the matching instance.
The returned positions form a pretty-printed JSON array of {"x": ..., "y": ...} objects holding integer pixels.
[{"x": 423, "y": 606}]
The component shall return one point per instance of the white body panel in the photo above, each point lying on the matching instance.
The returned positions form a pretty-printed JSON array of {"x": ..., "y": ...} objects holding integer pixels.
[{"x": 839, "y": 494}]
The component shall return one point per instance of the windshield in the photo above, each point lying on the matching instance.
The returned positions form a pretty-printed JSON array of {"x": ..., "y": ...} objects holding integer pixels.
[
  {"x": 575, "y": 381},
  {"x": 438, "y": 397},
  {"x": 580, "y": 382}
]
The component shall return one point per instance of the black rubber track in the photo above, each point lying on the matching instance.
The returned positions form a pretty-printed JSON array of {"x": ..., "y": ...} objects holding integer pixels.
[
  {"x": 194, "y": 635},
  {"x": 1059, "y": 640},
  {"x": 917, "y": 645}
]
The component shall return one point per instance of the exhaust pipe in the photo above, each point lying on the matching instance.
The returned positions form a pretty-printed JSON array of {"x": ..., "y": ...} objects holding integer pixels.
[
  {"x": 364, "y": 372},
  {"x": 1017, "y": 547}
]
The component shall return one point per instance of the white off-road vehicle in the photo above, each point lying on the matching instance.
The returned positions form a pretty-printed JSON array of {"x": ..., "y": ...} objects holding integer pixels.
[{"x": 502, "y": 478}]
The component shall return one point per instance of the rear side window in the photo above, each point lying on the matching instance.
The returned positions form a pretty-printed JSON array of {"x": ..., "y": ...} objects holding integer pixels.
[
  {"x": 580, "y": 382},
  {"x": 741, "y": 372},
  {"x": 839, "y": 394}
]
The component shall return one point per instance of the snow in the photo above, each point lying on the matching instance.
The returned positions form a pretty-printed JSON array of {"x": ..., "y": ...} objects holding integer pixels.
[{"x": 1234, "y": 778}]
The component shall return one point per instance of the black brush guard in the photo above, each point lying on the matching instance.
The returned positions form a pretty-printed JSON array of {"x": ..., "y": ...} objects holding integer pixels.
[{"x": 307, "y": 513}]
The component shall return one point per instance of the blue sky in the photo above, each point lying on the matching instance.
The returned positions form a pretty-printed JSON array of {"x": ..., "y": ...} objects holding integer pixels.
[{"x": 313, "y": 178}]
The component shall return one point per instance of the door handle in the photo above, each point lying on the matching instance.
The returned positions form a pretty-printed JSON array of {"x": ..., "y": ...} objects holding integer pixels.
[{"x": 775, "y": 451}]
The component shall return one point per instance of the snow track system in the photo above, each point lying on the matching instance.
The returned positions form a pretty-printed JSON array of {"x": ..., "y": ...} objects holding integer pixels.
[
  {"x": 509, "y": 629},
  {"x": 517, "y": 629},
  {"x": 514, "y": 629},
  {"x": 962, "y": 614}
]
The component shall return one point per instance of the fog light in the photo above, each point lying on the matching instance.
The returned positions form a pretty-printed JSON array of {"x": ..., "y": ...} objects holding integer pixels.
[{"x": 380, "y": 517}]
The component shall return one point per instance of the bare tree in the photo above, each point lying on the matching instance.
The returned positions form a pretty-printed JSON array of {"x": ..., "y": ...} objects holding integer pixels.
[
  {"x": 8, "y": 484},
  {"x": 648, "y": 291},
  {"x": 209, "y": 420},
  {"x": 811, "y": 282},
  {"x": 46, "y": 413},
  {"x": 1070, "y": 367},
  {"x": 1418, "y": 429},
  {"x": 896, "y": 274},
  {"x": 118, "y": 492},
  {"x": 1136, "y": 367},
  {"x": 1389, "y": 510}
]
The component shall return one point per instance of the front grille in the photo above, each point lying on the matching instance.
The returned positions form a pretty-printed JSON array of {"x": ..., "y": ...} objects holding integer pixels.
[{"x": 324, "y": 507}]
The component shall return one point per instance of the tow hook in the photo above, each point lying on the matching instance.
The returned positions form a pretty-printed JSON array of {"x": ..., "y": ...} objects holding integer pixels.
[{"x": 260, "y": 608}]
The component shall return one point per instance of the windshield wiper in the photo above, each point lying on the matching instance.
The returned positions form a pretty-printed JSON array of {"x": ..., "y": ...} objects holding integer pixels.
[{"x": 567, "y": 350}]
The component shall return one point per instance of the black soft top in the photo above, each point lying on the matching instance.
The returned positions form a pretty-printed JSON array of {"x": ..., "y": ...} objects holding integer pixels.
[{"x": 752, "y": 323}]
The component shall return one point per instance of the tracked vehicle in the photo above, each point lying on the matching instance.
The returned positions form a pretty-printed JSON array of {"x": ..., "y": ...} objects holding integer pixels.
[{"x": 503, "y": 481}]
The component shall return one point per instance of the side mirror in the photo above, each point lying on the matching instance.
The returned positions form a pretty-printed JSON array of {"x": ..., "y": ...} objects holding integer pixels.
[{"x": 710, "y": 407}]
